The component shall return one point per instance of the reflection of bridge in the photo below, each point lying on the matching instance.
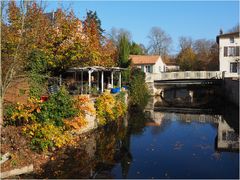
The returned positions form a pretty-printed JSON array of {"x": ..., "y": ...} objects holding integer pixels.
[
  {"x": 180, "y": 113},
  {"x": 227, "y": 138}
]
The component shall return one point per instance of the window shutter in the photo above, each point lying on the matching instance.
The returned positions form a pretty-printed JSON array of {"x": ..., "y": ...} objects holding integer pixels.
[
  {"x": 225, "y": 51},
  {"x": 237, "y": 50}
]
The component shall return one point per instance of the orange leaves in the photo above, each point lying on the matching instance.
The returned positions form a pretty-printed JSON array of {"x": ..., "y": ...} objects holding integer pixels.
[
  {"x": 84, "y": 105},
  {"x": 76, "y": 123}
]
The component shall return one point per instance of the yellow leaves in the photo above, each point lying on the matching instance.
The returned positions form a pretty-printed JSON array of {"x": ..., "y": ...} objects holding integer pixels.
[
  {"x": 109, "y": 108},
  {"x": 44, "y": 136}
]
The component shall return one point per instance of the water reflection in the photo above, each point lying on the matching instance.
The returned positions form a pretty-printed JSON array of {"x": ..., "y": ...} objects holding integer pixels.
[
  {"x": 161, "y": 142},
  {"x": 227, "y": 138}
]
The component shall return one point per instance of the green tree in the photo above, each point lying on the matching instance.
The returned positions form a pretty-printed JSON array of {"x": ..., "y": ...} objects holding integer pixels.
[
  {"x": 124, "y": 51},
  {"x": 139, "y": 93},
  {"x": 136, "y": 49}
]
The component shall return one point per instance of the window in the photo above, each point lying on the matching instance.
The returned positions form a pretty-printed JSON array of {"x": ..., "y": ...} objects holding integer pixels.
[
  {"x": 231, "y": 39},
  {"x": 231, "y": 51},
  {"x": 233, "y": 67},
  {"x": 148, "y": 69},
  {"x": 160, "y": 69}
]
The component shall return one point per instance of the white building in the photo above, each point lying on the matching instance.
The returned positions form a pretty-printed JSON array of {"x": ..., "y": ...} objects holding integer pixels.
[
  {"x": 229, "y": 45},
  {"x": 152, "y": 63}
]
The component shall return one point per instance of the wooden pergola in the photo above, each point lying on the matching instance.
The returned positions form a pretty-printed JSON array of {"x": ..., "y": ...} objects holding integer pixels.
[{"x": 99, "y": 70}]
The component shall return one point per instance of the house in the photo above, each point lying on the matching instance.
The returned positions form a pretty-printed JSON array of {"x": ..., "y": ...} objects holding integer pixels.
[
  {"x": 229, "y": 53},
  {"x": 152, "y": 63}
]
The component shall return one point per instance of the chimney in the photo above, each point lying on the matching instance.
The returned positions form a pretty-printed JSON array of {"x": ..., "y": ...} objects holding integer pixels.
[{"x": 220, "y": 31}]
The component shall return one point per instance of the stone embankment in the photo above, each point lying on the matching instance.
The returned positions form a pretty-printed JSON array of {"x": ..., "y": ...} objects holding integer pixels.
[{"x": 231, "y": 90}]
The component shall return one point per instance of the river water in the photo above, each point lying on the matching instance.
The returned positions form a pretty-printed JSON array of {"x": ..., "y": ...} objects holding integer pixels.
[{"x": 176, "y": 141}]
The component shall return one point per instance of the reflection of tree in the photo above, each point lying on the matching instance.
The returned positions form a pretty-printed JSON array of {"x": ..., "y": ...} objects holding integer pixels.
[
  {"x": 137, "y": 120},
  {"x": 112, "y": 144},
  {"x": 113, "y": 147},
  {"x": 124, "y": 155},
  {"x": 68, "y": 163}
]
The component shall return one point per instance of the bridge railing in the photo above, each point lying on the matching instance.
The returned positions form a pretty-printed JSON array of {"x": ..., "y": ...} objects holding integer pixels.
[{"x": 151, "y": 77}]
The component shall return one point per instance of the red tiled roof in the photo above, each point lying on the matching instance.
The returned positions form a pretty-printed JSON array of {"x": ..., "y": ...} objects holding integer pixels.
[{"x": 144, "y": 59}]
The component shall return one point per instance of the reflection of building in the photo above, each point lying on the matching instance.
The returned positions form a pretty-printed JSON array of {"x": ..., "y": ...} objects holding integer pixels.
[{"x": 227, "y": 138}]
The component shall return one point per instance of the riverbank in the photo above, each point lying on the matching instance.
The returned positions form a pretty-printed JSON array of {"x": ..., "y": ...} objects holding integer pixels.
[
  {"x": 21, "y": 155},
  {"x": 19, "y": 146}
]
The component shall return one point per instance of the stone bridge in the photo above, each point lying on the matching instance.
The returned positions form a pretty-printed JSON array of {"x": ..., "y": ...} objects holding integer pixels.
[
  {"x": 183, "y": 75},
  {"x": 182, "y": 78}
]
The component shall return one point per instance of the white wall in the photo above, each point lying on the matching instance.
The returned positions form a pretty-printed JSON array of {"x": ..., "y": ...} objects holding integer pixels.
[
  {"x": 224, "y": 62},
  {"x": 173, "y": 67},
  {"x": 159, "y": 65}
]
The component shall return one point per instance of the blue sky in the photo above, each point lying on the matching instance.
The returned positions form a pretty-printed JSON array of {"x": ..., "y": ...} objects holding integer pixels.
[{"x": 198, "y": 20}]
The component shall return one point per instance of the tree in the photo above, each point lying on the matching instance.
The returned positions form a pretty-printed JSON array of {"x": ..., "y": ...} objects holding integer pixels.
[
  {"x": 12, "y": 36},
  {"x": 136, "y": 49},
  {"x": 213, "y": 63},
  {"x": 124, "y": 51},
  {"x": 92, "y": 16},
  {"x": 236, "y": 28},
  {"x": 202, "y": 50},
  {"x": 116, "y": 34},
  {"x": 159, "y": 41},
  {"x": 185, "y": 42},
  {"x": 60, "y": 42},
  {"x": 187, "y": 59}
]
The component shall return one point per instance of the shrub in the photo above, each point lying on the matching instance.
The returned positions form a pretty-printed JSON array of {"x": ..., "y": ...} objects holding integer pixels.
[
  {"x": 46, "y": 136},
  {"x": 120, "y": 106},
  {"x": 139, "y": 93},
  {"x": 84, "y": 106},
  {"x": 109, "y": 108},
  {"x": 21, "y": 114},
  {"x": 58, "y": 107},
  {"x": 37, "y": 72}
]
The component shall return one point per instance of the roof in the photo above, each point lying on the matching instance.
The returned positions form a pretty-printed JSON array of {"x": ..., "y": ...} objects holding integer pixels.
[
  {"x": 144, "y": 59},
  {"x": 227, "y": 35},
  {"x": 95, "y": 68}
]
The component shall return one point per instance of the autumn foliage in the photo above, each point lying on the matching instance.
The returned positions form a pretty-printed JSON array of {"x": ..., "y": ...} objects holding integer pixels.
[{"x": 65, "y": 40}]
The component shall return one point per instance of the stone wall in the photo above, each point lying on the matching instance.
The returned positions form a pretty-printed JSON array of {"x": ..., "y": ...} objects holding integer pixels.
[{"x": 231, "y": 90}]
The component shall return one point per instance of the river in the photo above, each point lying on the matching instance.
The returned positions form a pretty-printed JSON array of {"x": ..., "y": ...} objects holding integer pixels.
[{"x": 164, "y": 141}]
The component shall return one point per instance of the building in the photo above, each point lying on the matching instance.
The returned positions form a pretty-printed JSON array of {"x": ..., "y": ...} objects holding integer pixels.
[
  {"x": 229, "y": 53},
  {"x": 152, "y": 63}
]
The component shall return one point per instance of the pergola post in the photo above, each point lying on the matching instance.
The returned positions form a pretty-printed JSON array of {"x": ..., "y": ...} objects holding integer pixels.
[
  {"x": 89, "y": 81},
  {"x": 82, "y": 82},
  {"x": 102, "y": 82},
  {"x": 120, "y": 79},
  {"x": 112, "y": 79},
  {"x": 75, "y": 75},
  {"x": 97, "y": 80}
]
